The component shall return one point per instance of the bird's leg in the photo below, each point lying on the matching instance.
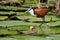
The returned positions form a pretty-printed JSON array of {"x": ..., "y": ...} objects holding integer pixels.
[
  {"x": 39, "y": 27},
  {"x": 47, "y": 26},
  {"x": 43, "y": 18}
]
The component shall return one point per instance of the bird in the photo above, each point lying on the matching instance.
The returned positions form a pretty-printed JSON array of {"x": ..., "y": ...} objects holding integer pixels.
[{"x": 41, "y": 13}]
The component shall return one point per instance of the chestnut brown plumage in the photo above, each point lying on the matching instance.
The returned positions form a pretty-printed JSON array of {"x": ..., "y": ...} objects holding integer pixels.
[{"x": 41, "y": 12}]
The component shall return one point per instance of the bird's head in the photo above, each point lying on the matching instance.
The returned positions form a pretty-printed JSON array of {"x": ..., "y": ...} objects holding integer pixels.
[{"x": 31, "y": 11}]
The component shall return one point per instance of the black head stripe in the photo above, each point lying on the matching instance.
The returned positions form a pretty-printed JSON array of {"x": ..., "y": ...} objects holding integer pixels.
[{"x": 29, "y": 9}]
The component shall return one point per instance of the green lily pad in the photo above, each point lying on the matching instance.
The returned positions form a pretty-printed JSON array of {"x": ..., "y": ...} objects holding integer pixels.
[{"x": 8, "y": 39}]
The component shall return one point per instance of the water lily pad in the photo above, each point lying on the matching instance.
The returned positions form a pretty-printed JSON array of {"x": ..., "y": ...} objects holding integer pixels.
[{"x": 8, "y": 39}]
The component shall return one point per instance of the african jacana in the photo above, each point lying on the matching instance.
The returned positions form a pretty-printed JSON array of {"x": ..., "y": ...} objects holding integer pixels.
[{"x": 39, "y": 12}]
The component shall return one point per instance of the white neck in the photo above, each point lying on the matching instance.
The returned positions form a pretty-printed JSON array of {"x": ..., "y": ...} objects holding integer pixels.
[{"x": 32, "y": 12}]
